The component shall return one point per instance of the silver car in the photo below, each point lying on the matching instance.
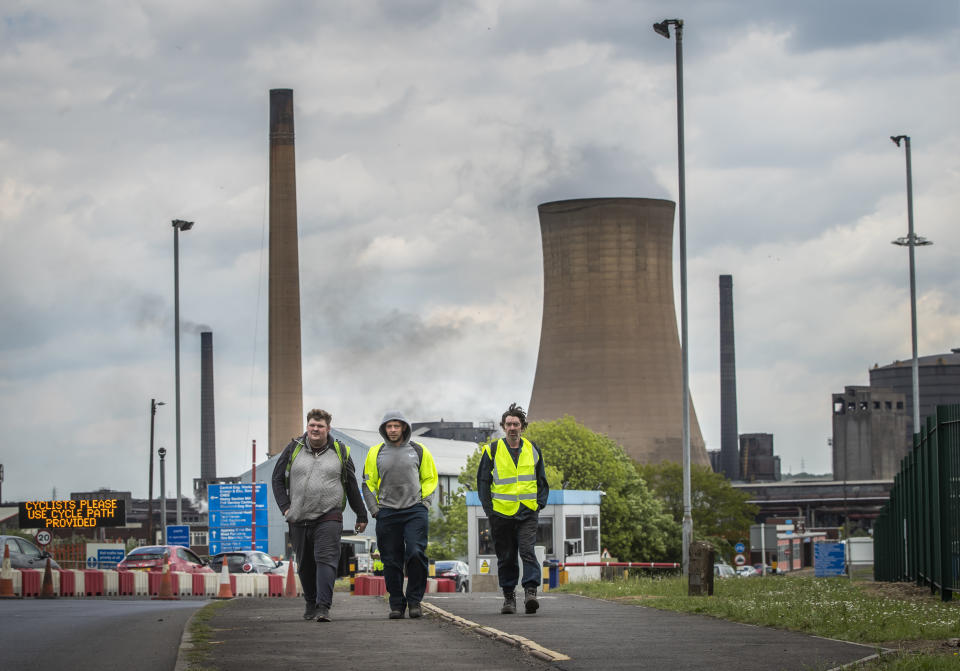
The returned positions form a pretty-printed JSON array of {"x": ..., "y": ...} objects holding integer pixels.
[{"x": 24, "y": 554}]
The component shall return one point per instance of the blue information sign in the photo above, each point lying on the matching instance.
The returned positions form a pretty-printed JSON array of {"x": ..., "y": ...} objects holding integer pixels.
[
  {"x": 236, "y": 496},
  {"x": 109, "y": 558},
  {"x": 231, "y": 516},
  {"x": 828, "y": 560},
  {"x": 236, "y": 518},
  {"x": 236, "y": 534},
  {"x": 739, "y": 547},
  {"x": 216, "y": 547},
  {"x": 178, "y": 535}
]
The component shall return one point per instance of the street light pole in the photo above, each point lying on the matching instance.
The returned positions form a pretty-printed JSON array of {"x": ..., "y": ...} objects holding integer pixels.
[
  {"x": 178, "y": 225},
  {"x": 662, "y": 28},
  {"x": 912, "y": 240},
  {"x": 153, "y": 412},
  {"x": 163, "y": 492}
]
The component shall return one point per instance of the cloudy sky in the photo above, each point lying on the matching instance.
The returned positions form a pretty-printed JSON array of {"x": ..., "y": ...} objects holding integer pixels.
[{"x": 427, "y": 134}]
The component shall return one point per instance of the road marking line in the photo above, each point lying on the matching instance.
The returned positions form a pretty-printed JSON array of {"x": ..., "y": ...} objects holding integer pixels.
[{"x": 515, "y": 640}]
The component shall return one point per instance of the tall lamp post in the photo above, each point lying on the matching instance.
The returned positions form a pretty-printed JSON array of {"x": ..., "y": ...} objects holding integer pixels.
[
  {"x": 178, "y": 225},
  {"x": 663, "y": 28},
  {"x": 153, "y": 411},
  {"x": 910, "y": 241}
]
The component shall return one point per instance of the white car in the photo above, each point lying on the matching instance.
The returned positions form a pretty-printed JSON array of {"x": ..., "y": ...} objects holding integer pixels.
[
  {"x": 723, "y": 571},
  {"x": 747, "y": 572}
]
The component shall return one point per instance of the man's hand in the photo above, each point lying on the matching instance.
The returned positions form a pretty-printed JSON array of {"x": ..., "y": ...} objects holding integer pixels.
[{"x": 359, "y": 527}]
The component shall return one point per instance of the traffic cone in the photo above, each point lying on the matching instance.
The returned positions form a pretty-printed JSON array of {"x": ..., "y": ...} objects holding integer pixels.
[
  {"x": 46, "y": 591},
  {"x": 226, "y": 591},
  {"x": 6, "y": 577},
  {"x": 291, "y": 588},
  {"x": 166, "y": 586}
]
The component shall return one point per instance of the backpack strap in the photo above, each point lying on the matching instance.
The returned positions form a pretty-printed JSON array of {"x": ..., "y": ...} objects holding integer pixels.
[{"x": 418, "y": 448}]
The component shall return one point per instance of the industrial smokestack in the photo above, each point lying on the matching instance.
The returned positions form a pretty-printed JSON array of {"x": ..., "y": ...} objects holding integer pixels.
[
  {"x": 609, "y": 345},
  {"x": 285, "y": 384},
  {"x": 208, "y": 432},
  {"x": 729, "y": 438}
]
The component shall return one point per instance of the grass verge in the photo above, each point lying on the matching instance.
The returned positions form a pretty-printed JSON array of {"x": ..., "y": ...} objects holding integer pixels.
[
  {"x": 919, "y": 626},
  {"x": 201, "y": 635}
]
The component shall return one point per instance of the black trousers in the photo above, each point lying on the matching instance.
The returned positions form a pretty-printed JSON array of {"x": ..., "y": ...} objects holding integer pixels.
[
  {"x": 317, "y": 548},
  {"x": 402, "y": 541},
  {"x": 510, "y": 537}
]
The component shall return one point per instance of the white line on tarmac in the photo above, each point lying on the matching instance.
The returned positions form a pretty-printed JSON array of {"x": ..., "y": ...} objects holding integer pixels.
[{"x": 515, "y": 640}]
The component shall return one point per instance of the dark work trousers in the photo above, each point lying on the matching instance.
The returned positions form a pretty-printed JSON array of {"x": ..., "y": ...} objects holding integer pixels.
[
  {"x": 317, "y": 548},
  {"x": 402, "y": 541},
  {"x": 511, "y": 535}
]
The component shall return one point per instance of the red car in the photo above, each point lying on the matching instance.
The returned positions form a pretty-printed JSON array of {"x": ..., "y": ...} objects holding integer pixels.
[{"x": 155, "y": 557}]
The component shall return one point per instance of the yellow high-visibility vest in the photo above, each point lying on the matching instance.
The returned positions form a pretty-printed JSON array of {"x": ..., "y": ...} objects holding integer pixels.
[
  {"x": 513, "y": 483},
  {"x": 428, "y": 471}
]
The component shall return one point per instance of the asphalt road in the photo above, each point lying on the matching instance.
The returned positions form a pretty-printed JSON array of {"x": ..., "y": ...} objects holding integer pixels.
[
  {"x": 586, "y": 634},
  {"x": 95, "y": 634}
]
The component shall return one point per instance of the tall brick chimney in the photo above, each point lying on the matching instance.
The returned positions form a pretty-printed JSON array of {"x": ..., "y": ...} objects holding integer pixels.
[
  {"x": 729, "y": 438},
  {"x": 208, "y": 432},
  {"x": 285, "y": 384}
]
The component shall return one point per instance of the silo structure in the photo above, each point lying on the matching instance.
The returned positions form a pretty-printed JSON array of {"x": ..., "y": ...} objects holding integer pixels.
[
  {"x": 609, "y": 344},
  {"x": 284, "y": 377}
]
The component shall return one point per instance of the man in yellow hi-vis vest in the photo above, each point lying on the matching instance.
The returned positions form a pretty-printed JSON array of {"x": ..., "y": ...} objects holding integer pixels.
[
  {"x": 512, "y": 486},
  {"x": 399, "y": 481}
]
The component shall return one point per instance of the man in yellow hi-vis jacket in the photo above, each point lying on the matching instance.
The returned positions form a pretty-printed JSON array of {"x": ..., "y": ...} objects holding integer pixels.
[
  {"x": 399, "y": 480},
  {"x": 512, "y": 486}
]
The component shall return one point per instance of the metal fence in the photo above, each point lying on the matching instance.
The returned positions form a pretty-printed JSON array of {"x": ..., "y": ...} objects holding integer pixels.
[{"x": 917, "y": 534}]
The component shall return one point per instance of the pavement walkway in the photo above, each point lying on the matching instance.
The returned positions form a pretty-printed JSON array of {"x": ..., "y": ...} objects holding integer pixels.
[{"x": 466, "y": 631}]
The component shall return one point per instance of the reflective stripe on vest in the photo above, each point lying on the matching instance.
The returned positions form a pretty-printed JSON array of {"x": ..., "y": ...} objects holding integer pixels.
[{"x": 514, "y": 483}]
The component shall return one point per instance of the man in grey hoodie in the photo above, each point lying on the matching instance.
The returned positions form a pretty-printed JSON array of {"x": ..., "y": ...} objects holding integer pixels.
[
  {"x": 312, "y": 480},
  {"x": 399, "y": 480}
]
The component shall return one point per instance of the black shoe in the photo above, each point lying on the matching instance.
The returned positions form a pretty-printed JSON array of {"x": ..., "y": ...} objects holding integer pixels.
[
  {"x": 311, "y": 611},
  {"x": 323, "y": 614},
  {"x": 396, "y": 614},
  {"x": 509, "y": 604},
  {"x": 415, "y": 611},
  {"x": 530, "y": 602}
]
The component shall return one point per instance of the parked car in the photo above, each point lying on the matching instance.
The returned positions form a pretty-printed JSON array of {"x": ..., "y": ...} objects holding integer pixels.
[
  {"x": 759, "y": 569},
  {"x": 247, "y": 561},
  {"x": 457, "y": 571},
  {"x": 747, "y": 572},
  {"x": 155, "y": 557},
  {"x": 721, "y": 570},
  {"x": 24, "y": 554}
]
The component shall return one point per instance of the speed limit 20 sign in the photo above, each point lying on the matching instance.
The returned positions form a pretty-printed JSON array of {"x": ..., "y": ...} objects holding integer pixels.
[{"x": 44, "y": 537}]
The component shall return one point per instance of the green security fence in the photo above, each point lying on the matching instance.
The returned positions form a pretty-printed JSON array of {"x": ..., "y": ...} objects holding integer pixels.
[{"x": 917, "y": 535}]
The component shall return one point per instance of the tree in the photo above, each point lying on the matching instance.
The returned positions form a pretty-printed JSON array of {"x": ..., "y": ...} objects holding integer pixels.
[
  {"x": 720, "y": 513},
  {"x": 634, "y": 524}
]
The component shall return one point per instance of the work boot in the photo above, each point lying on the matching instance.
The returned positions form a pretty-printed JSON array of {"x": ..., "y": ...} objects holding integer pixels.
[
  {"x": 323, "y": 614},
  {"x": 509, "y": 603},
  {"x": 530, "y": 602},
  {"x": 311, "y": 611},
  {"x": 396, "y": 614},
  {"x": 415, "y": 611}
]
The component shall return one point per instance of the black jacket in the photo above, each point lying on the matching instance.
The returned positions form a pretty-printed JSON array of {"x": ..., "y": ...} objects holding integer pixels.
[
  {"x": 348, "y": 477},
  {"x": 485, "y": 479}
]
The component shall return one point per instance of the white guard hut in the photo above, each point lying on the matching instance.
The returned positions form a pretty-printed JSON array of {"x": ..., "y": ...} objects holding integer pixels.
[{"x": 571, "y": 516}]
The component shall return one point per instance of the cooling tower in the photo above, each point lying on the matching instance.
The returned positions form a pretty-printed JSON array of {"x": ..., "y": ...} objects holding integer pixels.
[
  {"x": 208, "y": 432},
  {"x": 609, "y": 345},
  {"x": 285, "y": 383},
  {"x": 729, "y": 438}
]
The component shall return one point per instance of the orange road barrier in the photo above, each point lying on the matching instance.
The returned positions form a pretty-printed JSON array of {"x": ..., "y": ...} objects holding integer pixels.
[
  {"x": 6, "y": 577},
  {"x": 166, "y": 586},
  {"x": 46, "y": 592},
  {"x": 291, "y": 589},
  {"x": 226, "y": 591}
]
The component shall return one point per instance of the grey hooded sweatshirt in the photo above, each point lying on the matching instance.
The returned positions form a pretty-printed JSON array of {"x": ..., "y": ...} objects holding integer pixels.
[{"x": 399, "y": 469}]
